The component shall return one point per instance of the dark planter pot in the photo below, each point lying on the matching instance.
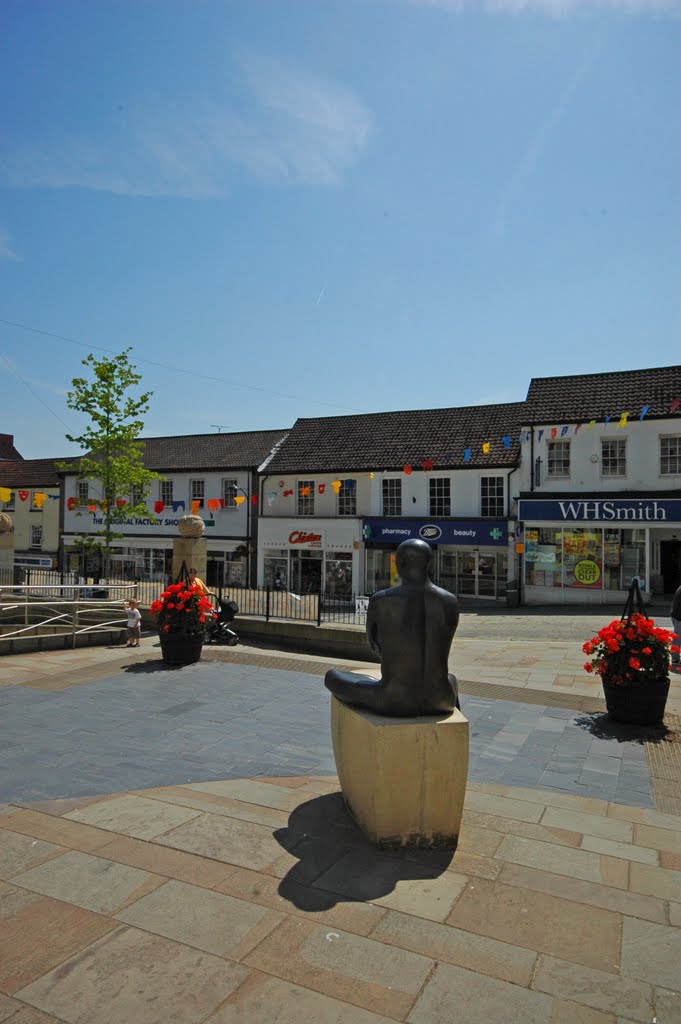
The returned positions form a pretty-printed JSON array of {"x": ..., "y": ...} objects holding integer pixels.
[
  {"x": 637, "y": 705},
  {"x": 180, "y": 650}
]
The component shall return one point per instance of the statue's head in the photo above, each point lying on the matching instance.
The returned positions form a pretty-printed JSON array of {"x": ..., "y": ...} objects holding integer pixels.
[{"x": 413, "y": 559}]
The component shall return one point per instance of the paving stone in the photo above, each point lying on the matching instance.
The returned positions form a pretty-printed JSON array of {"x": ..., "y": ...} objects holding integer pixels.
[
  {"x": 641, "y": 854},
  {"x": 591, "y": 893},
  {"x": 393, "y": 882},
  {"x": 502, "y": 806},
  {"x": 291, "y": 897},
  {"x": 652, "y": 881},
  {"x": 539, "y": 921},
  {"x": 251, "y": 791},
  {"x": 367, "y": 973},
  {"x": 18, "y": 852},
  {"x": 131, "y": 976},
  {"x": 591, "y": 824},
  {"x": 521, "y": 828},
  {"x": 159, "y": 860},
  {"x": 486, "y": 1000},
  {"x": 675, "y": 914},
  {"x": 29, "y": 1015},
  {"x": 565, "y": 1012},
  {"x": 7, "y": 1007},
  {"x": 242, "y": 843},
  {"x": 198, "y": 917},
  {"x": 57, "y": 830},
  {"x": 564, "y": 861},
  {"x": 133, "y": 816},
  {"x": 38, "y": 933},
  {"x": 651, "y": 952},
  {"x": 264, "y": 1000},
  {"x": 643, "y": 816},
  {"x": 214, "y": 804},
  {"x": 456, "y": 946},
  {"x": 667, "y": 1006},
  {"x": 86, "y": 881},
  {"x": 602, "y": 991},
  {"x": 657, "y": 838}
]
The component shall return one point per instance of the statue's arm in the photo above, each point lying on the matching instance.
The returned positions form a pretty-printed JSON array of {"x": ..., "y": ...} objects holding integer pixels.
[{"x": 372, "y": 629}]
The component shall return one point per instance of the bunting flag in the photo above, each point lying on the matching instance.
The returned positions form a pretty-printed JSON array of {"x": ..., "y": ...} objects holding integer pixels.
[
  {"x": 467, "y": 454},
  {"x": 305, "y": 492},
  {"x": 592, "y": 424},
  {"x": 177, "y": 505},
  {"x": 507, "y": 441},
  {"x": 92, "y": 508},
  {"x": 287, "y": 494},
  {"x": 321, "y": 488},
  {"x": 408, "y": 470},
  {"x": 23, "y": 495},
  {"x": 336, "y": 484},
  {"x": 71, "y": 504},
  {"x": 675, "y": 404},
  {"x": 221, "y": 502},
  {"x": 5, "y": 494},
  {"x": 39, "y": 499},
  {"x": 254, "y": 499},
  {"x": 213, "y": 504},
  {"x": 371, "y": 476},
  {"x": 608, "y": 418},
  {"x": 564, "y": 431},
  {"x": 486, "y": 447},
  {"x": 269, "y": 497},
  {"x": 624, "y": 416},
  {"x": 427, "y": 465},
  {"x": 239, "y": 499},
  {"x": 196, "y": 505},
  {"x": 540, "y": 434},
  {"x": 644, "y": 410},
  {"x": 159, "y": 506},
  {"x": 577, "y": 428},
  {"x": 553, "y": 433}
]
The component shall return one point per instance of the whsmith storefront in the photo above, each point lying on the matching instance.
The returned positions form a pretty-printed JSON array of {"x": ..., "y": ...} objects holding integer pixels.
[
  {"x": 580, "y": 550},
  {"x": 470, "y": 555}
]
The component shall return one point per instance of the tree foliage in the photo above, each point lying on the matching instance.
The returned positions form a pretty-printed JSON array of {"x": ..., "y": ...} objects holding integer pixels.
[{"x": 114, "y": 455}]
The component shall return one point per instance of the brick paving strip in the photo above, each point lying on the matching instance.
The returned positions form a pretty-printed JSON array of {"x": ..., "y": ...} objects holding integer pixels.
[{"x": 250, "y": 901}]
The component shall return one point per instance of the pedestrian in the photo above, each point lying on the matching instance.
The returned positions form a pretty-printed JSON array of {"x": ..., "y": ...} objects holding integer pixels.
[
  {"x": 134, "y": 620},
  {"x": 675, "y": 614},
  {"x": 278, "y": 583},
  {"x": 195, "y": 581}
]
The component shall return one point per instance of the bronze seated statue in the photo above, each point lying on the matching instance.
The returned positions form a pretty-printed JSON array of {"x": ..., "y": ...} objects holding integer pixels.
[{"x": 411, "y": 628}]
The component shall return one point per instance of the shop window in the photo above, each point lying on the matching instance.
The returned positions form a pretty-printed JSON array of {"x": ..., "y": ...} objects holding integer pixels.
[
  {"x": 583, "y": 558},
  {"x": 9, "y": 504},
  {"x": 492, "y": 496},
  {"x": 275, "y": 575},
  {"x": 306, "y": 497},
  {"x": 136, "y": 494},
  {"x": 558, "y": 458},
  {"x": 392, "y": 497},
  {"x": 197, "y": 492},
  {"x": 440, "y": 494},
  {"x": 381, "y": 570},
  {"x": 613, "y": 457},
  {"x": 229, "y": 493},
  {"x": 624, "y": 556},
  {"x": 165, "y": 492},
  {"x": 36, "y": 536},
  {"x": 83, "y": 490},
  {"x": 543, "y": 557},
  {"x": 338, "y": 574},
  {"x": 670, "y": 456},
  {"x": 347, "y": 498}
]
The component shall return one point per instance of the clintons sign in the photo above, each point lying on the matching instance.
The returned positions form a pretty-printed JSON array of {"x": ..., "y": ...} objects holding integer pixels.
[
  {"x": 588, "y": 510},
  {"x": 311, "y": 540}
]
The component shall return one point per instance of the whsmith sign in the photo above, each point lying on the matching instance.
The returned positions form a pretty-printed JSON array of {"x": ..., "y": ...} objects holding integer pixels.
[
  {"x": 471, "y": 532},
  {"x": 609, "y": 510}
]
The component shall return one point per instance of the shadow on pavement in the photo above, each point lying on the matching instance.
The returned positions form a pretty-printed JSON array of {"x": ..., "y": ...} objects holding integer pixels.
[
  {"x": 604, "y": 728},
  {"x": 336, "y": 863},
  {"x": 154, "y": 665}
]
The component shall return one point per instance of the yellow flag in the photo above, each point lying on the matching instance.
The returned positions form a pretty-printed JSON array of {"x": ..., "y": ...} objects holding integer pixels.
[
  {"x": 39, "y": 499},
  {"x": 336, "y": 484},
  {"x": 239, "y": 499},
  {"x": 591, "y": 425},
  {"x": 5, "y": 494},
  {"x": 624, "y": 416},
  {"x": 486, "y": 447}
]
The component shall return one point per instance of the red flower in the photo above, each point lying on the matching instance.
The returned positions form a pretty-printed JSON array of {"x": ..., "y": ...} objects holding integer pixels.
[
  {"x": 675, "y": 649},
  {"x": 634, "y": 663},
  {"x": 646, "y": 650},
  {"x": 588, "y": 667}
]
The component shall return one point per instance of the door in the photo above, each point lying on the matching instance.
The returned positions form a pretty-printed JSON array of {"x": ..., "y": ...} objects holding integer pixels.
[
  {"x": 481, "y": 575},
  {"x": 670, "y": 564}
]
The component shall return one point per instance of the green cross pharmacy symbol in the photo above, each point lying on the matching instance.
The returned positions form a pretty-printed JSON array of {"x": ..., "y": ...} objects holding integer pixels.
[{"x": 495, "y": 534}]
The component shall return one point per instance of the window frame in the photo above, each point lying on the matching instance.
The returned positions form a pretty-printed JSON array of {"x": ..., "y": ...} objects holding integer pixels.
[
  {"x": 136, "y": 495},
  {"x": 558, "y": 468},
  {"x": 676, "y": 455},
  {"x": 444, "y": 511},
  {"x": 305, "y": 502},
  {"x": 347, "y": 498},
  {"x": 612, "y": 462},
  {"x": 33, "y": 545},
  {"x": 199, "y": 484},
  {"x": 83, "y": 491},
  {"x": 164, "y": 485},
  {"x": 391, "y": 483},
  {"x": 496, "y": 502},
  {"x": 228, "y": 483}
]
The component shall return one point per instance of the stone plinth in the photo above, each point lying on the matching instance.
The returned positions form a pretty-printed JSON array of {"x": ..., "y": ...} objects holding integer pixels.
[
  {"x": 6, "y": 550},
  {"x": 403, "y": 779},
  {"x": 192, "y": 551}
]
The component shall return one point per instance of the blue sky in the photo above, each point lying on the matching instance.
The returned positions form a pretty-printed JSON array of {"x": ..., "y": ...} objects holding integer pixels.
[{"x": 308, "y": 207}]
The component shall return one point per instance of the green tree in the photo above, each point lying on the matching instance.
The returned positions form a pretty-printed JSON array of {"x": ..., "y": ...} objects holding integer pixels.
[{"x": 113, "y": 454}]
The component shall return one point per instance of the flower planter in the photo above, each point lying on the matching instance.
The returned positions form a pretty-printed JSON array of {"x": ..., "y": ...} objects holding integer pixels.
[
  {"x": 177, "y": 649},
  {"x": 637, "y": 705}
]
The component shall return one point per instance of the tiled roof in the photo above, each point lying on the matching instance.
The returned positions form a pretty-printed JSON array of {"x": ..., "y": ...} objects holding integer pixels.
[
  {"x": 593, "y": 396},
  {"x": 197, "y": 452},
  {"x": 29, "y": 473},
  {"x": 391, "y": 440}
]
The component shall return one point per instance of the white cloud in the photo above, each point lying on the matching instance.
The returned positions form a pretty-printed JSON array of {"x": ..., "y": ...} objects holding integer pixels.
[
  {"x": 296, "y": 129},
  {"x": 5, "y": 252},
  {"x": 556, "y": 8}
]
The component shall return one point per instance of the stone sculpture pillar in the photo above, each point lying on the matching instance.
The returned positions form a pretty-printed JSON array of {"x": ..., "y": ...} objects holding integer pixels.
[{"x": 190, "y": 547}]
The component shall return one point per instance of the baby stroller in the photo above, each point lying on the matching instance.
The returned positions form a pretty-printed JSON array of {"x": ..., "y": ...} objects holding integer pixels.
[{"x": 218, "y": 631}]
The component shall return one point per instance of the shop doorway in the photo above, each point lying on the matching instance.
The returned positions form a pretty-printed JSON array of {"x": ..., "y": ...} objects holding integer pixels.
[
  {"x": 474, "y": 574},
  {"x": 306, "y": 572},
  {"x": 670, "y": 564}
]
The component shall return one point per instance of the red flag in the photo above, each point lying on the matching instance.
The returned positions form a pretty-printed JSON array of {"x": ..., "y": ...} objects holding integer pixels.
[
  {"x": 672, "y": 408},
  {"x": 321, "y": 488},
  {"x": 408, "y": 470},
  {"x": 254, "y": 499},
  {"x": 159, "y": 506},
  {"x": 71, "y": 504},
  {"x": 120, "y": 502},
  {"x": 427, "y": 464},
  {"x": 554, "y": 431},
  {"x": 23, "y": 495}
]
